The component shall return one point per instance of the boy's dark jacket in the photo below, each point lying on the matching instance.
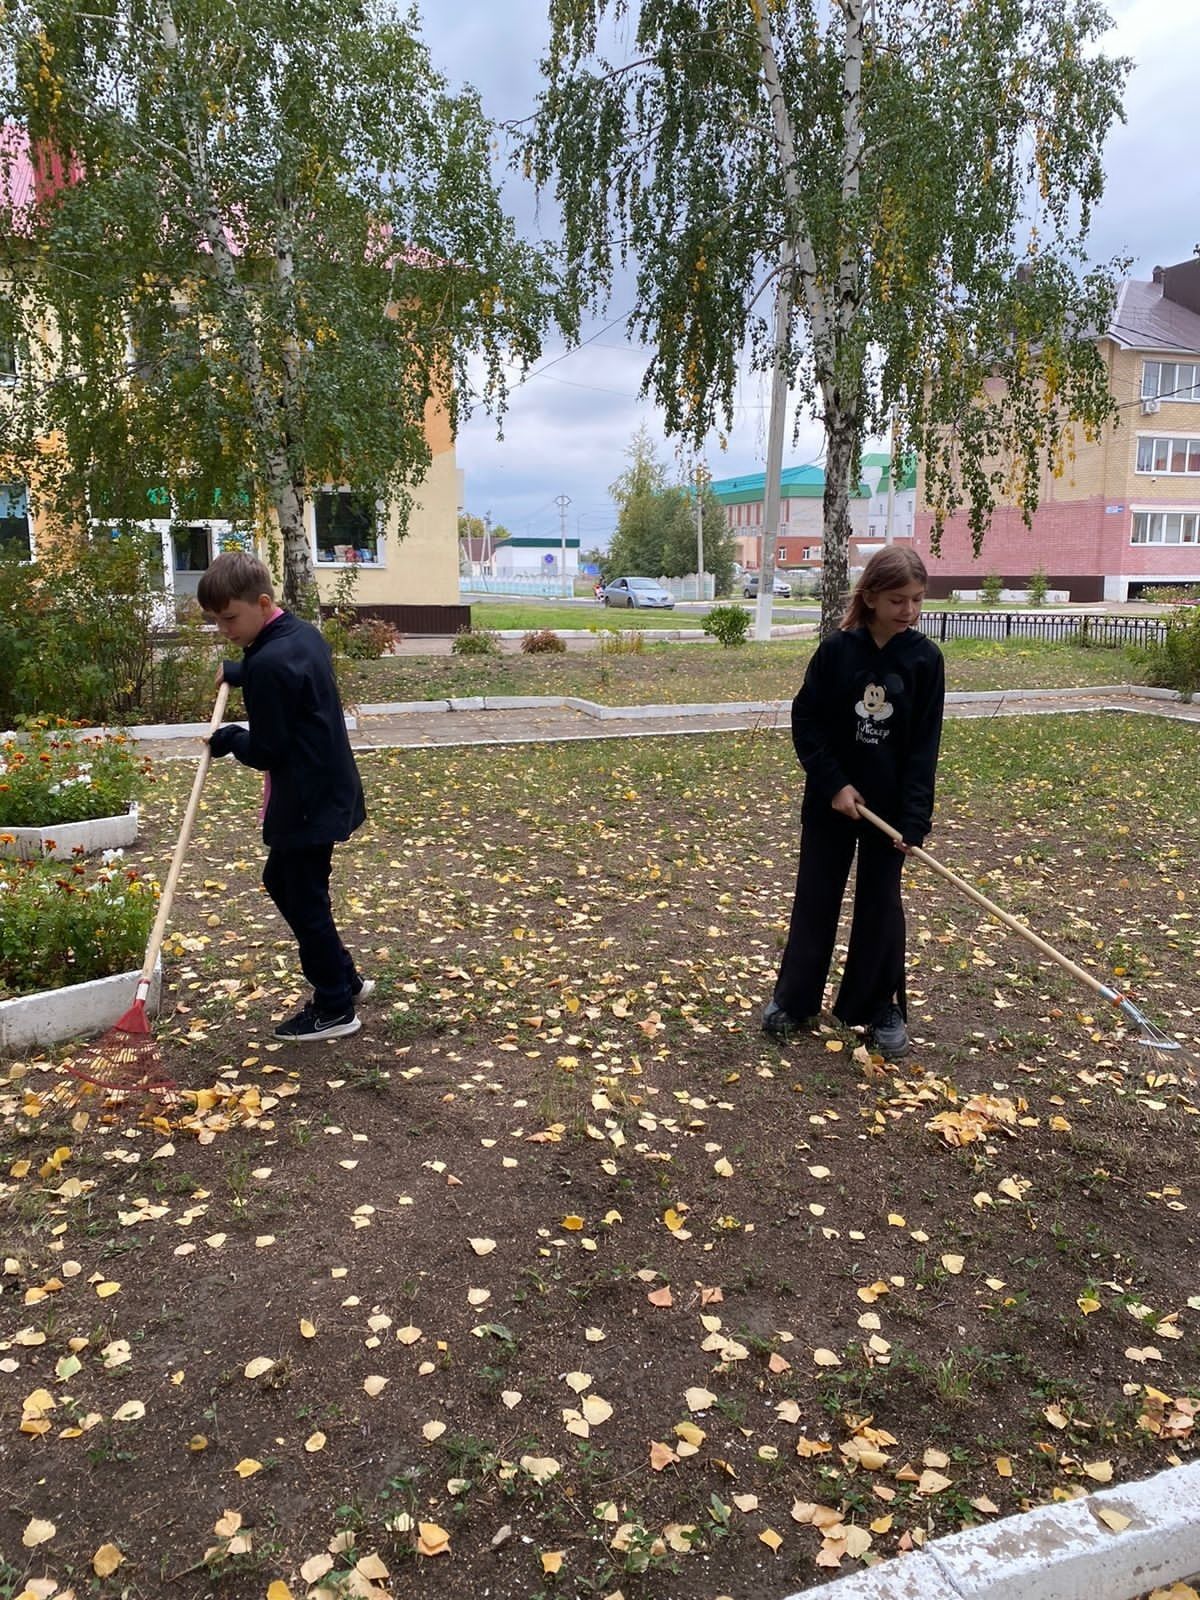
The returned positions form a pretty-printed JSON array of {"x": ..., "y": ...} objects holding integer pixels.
[
  {"x": 873, "y": 718},
  {"x": 297, "y": 734}
]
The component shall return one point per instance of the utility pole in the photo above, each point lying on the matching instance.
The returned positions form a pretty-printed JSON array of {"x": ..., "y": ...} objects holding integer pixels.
[
  {"x": 703, "y": 479},
  {"x": 891, "y": 494},
  {"x": 487, "y": 542},
  {"x": 562, "y": 501}
]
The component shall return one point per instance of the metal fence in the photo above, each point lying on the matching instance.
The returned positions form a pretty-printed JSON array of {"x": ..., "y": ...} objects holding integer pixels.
[
  {"x": 1060, "y": 628},
  {"x": 507, "y": 583}
]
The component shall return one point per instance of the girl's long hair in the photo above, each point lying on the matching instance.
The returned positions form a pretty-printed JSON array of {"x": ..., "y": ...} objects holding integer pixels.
[{"x": 890, "y": 568}]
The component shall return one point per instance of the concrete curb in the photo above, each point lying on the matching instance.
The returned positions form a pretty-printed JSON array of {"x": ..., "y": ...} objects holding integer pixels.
[
  {"x": 53, "y": 1015},
  {"x": 1058, "y": 1552},
  {"x": 646, "y": 713}
]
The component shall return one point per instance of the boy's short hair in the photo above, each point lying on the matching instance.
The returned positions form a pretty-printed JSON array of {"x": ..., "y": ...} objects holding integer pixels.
[{"x": 234, "y": 575}]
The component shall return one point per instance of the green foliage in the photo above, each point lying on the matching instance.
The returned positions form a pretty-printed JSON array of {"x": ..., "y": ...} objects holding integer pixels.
[
  {"x": 475, "y": 642},
  {"x": 49, "y": 778},
  {"x": 1037, "y": 587},
  {"x": 728, "y": 625},
  {"x": 543, "y": 643},
  {"x": 288, "y": 242},
  {"x": 989, "y": 589},
  {"x": 69, "y": 922},
  {"x": 1175, "y": 664},
  {"x": 895, "y": 180},
  {"x": 78, "y": 638},
  {"x": 656, "y": 523}
]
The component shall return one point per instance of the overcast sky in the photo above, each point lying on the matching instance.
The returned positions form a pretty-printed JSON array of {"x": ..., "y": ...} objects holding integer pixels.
[{"x": 570, "y": 423}]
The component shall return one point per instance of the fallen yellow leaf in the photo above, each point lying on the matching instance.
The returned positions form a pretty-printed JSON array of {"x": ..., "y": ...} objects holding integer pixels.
[
  {"x": 37, "y": 1531},
  {"x": 247, "y": 1467},
  {"x": 1117, "y": 1521},
  {"x": 552, "y": 1560},
  {"x": 106, "y": 1560},
  {"x": 432, "y": 1540}
]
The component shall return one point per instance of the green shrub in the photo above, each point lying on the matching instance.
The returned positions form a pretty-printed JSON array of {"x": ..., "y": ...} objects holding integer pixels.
[
  {"x": 69, "y": 922},
  {"x": 989, "y": 589},
  {"x": 727, "y": 624},
  {"x": 545, "y": 642},
  {"x": 1175, "y": 663},
  {"x": 51, "y": 778},
  {"x": 1037, "y": 587},
  {"x": 475, "y": 642},
  {"x": 80, "y": 640}
]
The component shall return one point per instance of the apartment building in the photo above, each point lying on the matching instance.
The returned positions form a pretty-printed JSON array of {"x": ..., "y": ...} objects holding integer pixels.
[{"x": 1124, "y": 515}]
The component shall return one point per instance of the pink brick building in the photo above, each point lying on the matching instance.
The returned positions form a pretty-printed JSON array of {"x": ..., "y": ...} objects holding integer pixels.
[{"x": 1125, "y": 513}]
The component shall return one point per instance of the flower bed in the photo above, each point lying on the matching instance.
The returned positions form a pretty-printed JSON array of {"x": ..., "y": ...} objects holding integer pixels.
[
  {"x": 49, "y": 779},
  {"x": 65, "y": 926}
]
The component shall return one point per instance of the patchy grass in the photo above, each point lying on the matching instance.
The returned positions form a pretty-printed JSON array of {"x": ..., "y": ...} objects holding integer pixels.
[
  {"x": 644, "y": 1289},
  {"x": 676, "y": 673}
]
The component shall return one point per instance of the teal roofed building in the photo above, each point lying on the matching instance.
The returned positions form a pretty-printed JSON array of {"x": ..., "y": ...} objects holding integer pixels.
[
  {"x": 801, "y": 515},
  {"x": 877, "y": 471}
]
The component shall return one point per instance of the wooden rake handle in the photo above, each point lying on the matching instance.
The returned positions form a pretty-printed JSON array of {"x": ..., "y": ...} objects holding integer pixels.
[
  {"x": 994, "y": 910},
  {"x": 159, "y": 930}
]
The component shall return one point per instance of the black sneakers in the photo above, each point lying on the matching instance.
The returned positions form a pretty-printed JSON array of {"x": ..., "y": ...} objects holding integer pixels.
[
  {"x": 889, "y": 1035},
  {"x": 366, "y": 988},
  {"x": 313, "y": 1024},
  {"x": 778, "y": 1025}
]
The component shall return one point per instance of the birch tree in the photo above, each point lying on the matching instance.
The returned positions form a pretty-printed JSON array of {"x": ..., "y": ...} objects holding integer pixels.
[
  {"x": 274, "y": 240},
  {"x": 883, "y": 203}
]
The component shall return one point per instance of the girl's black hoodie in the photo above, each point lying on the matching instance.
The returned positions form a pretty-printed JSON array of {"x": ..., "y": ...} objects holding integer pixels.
[{"x": 872, "y": 717}]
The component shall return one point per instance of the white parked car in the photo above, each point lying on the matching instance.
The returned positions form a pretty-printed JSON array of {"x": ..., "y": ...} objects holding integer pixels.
[{"x": 750, "y": 586}]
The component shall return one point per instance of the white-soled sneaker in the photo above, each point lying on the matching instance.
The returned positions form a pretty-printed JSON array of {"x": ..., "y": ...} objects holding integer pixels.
[
  {"x": 310, "y": 1024},
  {"x": 366, "y": 988}
]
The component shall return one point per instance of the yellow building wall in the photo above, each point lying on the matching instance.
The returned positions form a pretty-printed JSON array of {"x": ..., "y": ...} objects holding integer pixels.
[{"x": 420, "y": 568}]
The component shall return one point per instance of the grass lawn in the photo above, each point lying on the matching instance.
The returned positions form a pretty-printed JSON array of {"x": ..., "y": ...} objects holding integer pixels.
[
  {"x": 680, "y": 673},
  {"x": 559, "y": 1279}
]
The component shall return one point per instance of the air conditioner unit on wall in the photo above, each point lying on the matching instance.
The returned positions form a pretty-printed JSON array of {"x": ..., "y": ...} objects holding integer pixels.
[{"x": 1149, "y": 407}]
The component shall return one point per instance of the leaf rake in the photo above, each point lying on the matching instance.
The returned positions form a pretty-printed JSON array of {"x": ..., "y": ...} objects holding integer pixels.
[
  {"x": 1149, "y": 1033},
  {"x": 125, "y": 1061}
]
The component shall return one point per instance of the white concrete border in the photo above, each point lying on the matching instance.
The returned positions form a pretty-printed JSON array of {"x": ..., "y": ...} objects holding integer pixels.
[
  {"x": 100, "y": 833},
  {"x": 1058, "y": 1552},
  {"x": 52, "y": 1015}
]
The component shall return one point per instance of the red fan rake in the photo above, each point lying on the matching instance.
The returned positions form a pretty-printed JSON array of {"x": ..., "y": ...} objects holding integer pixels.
[{"x": 125, "y": 1061}]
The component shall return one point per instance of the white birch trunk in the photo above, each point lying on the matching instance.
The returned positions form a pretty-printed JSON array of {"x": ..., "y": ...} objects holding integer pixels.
[{"x": 799, "y": 271}]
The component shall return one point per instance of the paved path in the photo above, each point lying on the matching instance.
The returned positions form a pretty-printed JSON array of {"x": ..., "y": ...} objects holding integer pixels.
[{"x": 536, "y": 720}]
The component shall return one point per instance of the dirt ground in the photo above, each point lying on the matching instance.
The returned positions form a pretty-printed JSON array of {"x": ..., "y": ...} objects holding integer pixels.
[{"x": 559, "y": 1278}]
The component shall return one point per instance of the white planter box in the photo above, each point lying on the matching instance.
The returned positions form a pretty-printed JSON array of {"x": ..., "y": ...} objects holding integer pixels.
[
  {"x": 59, "y": 842},
  {"x": 80, "y": 1009}
]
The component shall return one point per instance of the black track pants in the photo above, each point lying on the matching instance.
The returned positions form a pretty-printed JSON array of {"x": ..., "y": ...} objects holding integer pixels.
[
  {"x": 298, "y": 883},
  {"x": 874, "y": 973}
]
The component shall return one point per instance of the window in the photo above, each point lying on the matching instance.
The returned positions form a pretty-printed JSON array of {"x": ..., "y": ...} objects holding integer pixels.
[
  {"x": 1168, "y": 455},
  {"x": 10, "y": 365},
  {"x": 1170, "y": 380},
  {"x": 1166, "y": 527},
  {"x": 192, "y": 548},
  {"x": 781, "y": 552},
  {"x": 14, "y": 521},
  {"x": 347, "y": 526}
]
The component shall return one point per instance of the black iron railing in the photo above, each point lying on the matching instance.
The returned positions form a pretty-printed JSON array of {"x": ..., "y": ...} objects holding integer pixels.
[{"x": 1081, "y": 628}]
